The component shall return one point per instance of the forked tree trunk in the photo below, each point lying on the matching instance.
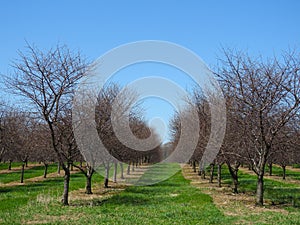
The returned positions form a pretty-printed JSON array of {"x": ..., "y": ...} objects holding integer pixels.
[
  {"x": 45, "y": 169},
  {"x": 122, "y": 170},
  {"x": 22, "y": 173},
  {"x": 219, "y": 175},
  {"x": 260, "y": 190},
  {"x": 233, "y": 170},
  {"x": 89, "y": 173},
  {"x": 65, "y": 199},
  {"x": 115, "y": 172}
]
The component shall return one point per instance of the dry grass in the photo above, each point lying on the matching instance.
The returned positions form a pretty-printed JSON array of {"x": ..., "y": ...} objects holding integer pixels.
[
  {"x": 100, "y": 192},
  {"x": 230, "y": 204},
  {"x": 36, "y": 179}
]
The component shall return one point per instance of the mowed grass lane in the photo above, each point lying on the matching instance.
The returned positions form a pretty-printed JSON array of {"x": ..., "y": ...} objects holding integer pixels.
[
  {"x": 4, "y": 166},
  {"x": 28, "y": 173}
]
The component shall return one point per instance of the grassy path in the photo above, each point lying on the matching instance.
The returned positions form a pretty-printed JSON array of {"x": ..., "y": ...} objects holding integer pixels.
[
  {"x": 34, "y": 173},
  {"x": 36, "y": 179},
  {"x": 291, "y": 177},
  {"x": 17, "y": 168},
  {"x": 4, "y": 165}
]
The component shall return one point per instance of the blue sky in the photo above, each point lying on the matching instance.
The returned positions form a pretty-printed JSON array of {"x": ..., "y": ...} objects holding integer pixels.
[{"x": 94, "y": 27}]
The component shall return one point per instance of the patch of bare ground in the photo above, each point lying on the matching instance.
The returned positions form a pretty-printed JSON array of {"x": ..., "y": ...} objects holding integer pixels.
[
  {"x": 19, "y": 168},
  {"x": 36, "y": 179},
  {"x": 293, "y": 169},
  {"x": 242, "y": 204},
  {"x": 100, "y": 194},
  {"x": 276, "y": 178}
]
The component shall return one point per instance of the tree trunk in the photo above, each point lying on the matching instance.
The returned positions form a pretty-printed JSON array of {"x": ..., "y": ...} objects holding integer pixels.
[
  {"x": 128, "y": 169},
  {"x": 270, "y": 169},
  {"x": 122, "y": 170},
  {"x": 194, "y": 166},
  {"x": 26, "y": 162},
  {"x": 233, "y": 170},
  {"x": 203, "y": 174},
  {"x": 106, "y": 176},
  {"x": 235, "y": 184},
  {"x": 9, "y": 164},
  {"x": 88, "y": 187},
  {"x": 22, "y": 173},
  {"x": 115, "y": 172},
  {"x": 132, "y": 166},
  {"x": 211, "y": 176},
  {"x": 283, "y": 172},
  {"x": 219, "y": 174},
  {"x": 58, "y": 168},
  {"x": 65, "y": 199},
  {"x": 260, "y": 190},
  {"x": 199, "y": 172},
  {"x": 45, "y": 170}
]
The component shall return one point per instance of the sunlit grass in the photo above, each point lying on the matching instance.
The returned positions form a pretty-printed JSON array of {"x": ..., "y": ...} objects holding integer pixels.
[{"x": 28, "y": 173}]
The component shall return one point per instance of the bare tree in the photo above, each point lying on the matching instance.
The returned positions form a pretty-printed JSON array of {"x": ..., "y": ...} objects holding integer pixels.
[
  {"x": 47, "y": 80},
  {"x": 267, "y": 97},
  {"x": 127, "y": 111}
]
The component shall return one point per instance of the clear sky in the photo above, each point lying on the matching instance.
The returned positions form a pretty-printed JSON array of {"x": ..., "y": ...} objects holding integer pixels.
[{"x": 94, "y": 27}]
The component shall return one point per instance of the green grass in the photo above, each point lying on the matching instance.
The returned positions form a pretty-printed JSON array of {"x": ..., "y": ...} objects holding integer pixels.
[
  {"x": 173, "y": 201},
  {"x": 278, "y": 192},
  {"x": 15, "y": 199},
  {"x": 28, "y": 173},
  {"x": 277, "y": 171},
  {"x": 4, "y": 166}
]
